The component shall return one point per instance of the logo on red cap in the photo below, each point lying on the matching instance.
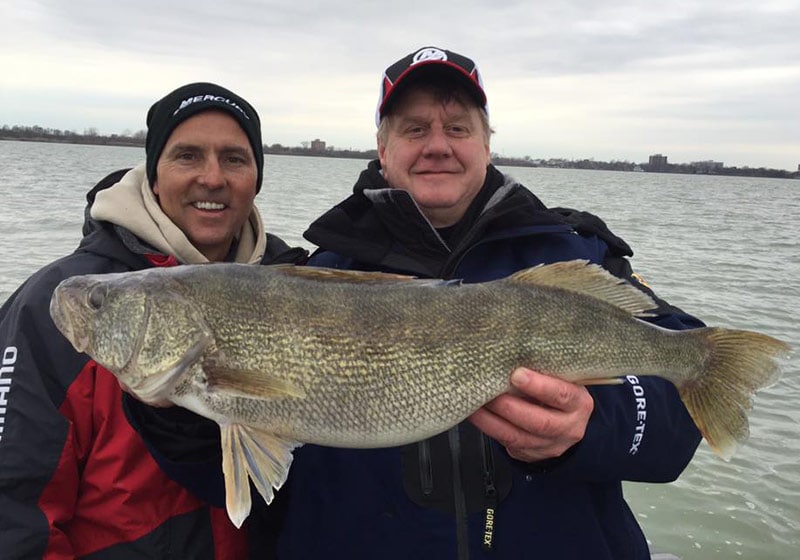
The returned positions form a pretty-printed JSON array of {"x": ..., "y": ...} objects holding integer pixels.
[{"x": 428, "y": 54}]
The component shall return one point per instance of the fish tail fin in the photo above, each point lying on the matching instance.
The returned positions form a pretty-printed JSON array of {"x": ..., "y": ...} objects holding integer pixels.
[
  {"x": 251, "y": 454},
  {"x": 718, "y": 398}
]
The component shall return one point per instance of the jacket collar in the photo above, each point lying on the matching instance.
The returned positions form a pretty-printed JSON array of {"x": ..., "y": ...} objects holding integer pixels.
[{"x": 384, "y": 227}]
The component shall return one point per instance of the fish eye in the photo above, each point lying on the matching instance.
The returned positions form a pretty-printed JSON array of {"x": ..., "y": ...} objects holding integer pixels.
[{"x": 97, "y": 296}]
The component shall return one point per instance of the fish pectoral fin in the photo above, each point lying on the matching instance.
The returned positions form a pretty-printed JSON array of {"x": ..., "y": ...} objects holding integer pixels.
[
  {"x": 248, "y": 384},
  {"x": 252, "y": 454},
  {"x": 583, "y": 277}
]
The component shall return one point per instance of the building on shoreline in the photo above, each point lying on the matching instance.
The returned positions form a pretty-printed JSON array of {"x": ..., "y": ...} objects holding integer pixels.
[{"x": 657, "y": 162}]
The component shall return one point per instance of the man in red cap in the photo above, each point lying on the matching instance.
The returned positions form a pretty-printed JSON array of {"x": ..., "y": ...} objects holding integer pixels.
[{"x": 534, "y": 474}]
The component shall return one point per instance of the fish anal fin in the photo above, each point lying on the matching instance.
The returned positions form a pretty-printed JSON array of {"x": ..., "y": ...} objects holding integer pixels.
[
  {"x": 583, "y": 277},
  {"x": 257, "y": 455},
  {"x": 250, "y": 384}
]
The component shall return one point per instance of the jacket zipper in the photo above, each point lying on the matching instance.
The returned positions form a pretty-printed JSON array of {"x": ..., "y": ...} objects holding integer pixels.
[
  {"x": 425, "y": 467},
  {"x": 460, "y": 503}
]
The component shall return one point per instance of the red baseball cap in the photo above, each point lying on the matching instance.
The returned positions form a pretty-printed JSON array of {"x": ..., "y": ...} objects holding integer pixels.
[{"x": 458, "y": 65}]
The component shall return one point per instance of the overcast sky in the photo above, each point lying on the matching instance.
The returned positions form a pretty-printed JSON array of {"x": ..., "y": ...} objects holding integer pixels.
[{"x": 604, "y": 79}]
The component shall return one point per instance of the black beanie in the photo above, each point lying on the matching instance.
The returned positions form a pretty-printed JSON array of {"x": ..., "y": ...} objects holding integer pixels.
[{"x": 188, "y": 100}]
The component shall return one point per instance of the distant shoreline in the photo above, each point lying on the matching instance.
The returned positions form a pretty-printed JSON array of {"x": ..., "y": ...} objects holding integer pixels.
[{"x": 278, "y": 149}]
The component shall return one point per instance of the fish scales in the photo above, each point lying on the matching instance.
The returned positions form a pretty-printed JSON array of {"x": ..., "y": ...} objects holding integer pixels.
[
  {"x": 280, "y": 356},
  {"x": 379, "y": 351},
  {"x": 425, "y": 356}
]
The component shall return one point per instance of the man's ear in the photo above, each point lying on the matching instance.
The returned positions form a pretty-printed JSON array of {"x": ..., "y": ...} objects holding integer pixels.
[{"x": 381, "y": 152}]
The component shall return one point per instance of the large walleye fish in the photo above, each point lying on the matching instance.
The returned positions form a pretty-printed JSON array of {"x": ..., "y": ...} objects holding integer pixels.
[{"x": 283, "y": 355}]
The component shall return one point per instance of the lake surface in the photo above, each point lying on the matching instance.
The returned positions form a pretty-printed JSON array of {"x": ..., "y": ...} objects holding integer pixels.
[{"x": 723, "y": 248}]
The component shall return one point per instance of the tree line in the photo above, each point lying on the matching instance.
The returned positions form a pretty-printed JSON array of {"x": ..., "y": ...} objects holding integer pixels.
[{"x": 91, "y": 136}]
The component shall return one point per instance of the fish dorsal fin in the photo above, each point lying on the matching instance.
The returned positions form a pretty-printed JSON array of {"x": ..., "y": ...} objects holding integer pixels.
[
  {"x": 252, "y": 454},
  {"x": 589, "y": 279},
  {"x": 353, "y": 276},
  {"x": 251, "y": 384}
]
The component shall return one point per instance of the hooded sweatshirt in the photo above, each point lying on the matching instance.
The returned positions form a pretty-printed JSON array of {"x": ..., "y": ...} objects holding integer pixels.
[{"x": 76, "y": 480}]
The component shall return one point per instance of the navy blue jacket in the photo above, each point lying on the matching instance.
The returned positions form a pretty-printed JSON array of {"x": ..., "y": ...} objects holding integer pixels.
[
  {"x": 402, "y": 502},
  {"x": 407, "y": 502}
]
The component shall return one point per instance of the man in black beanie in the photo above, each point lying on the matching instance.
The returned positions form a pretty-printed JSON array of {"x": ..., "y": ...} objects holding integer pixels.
[
  {"x": 81, "y": 481},
  {"x": 189, "y": 100}
]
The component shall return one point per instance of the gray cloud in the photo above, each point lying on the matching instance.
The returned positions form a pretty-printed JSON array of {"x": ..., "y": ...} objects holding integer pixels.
[{"x": 557, "y": 71}]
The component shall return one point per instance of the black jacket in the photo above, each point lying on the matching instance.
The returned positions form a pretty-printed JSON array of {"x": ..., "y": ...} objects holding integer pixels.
[
  {"x": 77, "y": 480},
  {"x": 459, "y": 494}
]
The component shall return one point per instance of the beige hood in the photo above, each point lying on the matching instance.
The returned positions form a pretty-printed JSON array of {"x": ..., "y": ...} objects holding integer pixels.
[{"x": 132, "y": 205}]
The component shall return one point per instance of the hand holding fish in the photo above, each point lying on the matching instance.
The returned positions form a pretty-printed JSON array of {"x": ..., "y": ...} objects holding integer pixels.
[{"x": 542, "y": 420}]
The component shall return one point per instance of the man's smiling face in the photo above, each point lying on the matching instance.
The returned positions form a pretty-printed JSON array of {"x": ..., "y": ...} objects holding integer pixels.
[
  {"x": 436, "y": 151},
  {"x": 206, "y": 181}
]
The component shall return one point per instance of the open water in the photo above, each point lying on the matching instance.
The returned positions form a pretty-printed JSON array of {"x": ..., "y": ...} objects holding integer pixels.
[{"x": 723, "y": 248}]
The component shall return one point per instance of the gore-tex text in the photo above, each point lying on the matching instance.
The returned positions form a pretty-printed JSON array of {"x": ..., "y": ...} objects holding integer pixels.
[{"x": 641, "y": 413}]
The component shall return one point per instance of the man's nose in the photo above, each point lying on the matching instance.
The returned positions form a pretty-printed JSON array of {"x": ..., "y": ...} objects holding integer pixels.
[
  {"x": 212, "y": 175},
  {"x": 437, "y": 142}
]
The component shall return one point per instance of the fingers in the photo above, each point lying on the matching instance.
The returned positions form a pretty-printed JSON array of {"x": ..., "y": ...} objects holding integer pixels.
[
  {"x": 546, "y": 418},
  {"x": 548, "y": 391}
]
